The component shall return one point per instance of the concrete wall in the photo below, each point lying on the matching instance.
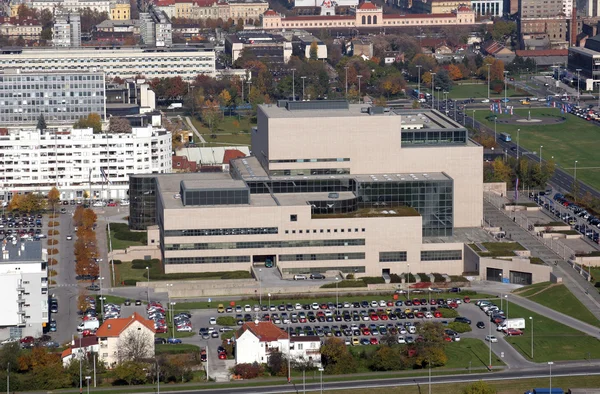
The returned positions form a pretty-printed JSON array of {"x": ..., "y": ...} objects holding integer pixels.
[
  {"x": 540, "y": 273},
  {"x": 593, "y": 261},
  {"x": 136, "y": 252},
  {"x": 498, "y": 188}
]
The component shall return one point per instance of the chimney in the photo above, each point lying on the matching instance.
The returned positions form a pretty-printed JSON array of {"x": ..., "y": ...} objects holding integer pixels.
[{"x": 573, "y": 30}]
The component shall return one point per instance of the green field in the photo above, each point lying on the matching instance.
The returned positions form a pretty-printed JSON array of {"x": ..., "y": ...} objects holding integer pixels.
[
  {"x": 574, "y": 139},
  {"x": 470, "y": 350},
  {"x": 232, "y": 131},
  {"x": 121, "y": 243},
  {"x": 175, "y": 349},
  {"x": 480, "y": 91},
  {"x": 552, "y": 341}
]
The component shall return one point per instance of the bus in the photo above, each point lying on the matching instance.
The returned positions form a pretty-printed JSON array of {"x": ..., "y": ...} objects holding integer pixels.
[{"x": 505, "y": 137}]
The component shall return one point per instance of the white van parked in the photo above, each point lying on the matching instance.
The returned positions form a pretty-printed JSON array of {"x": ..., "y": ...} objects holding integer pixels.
[{"x": 299, "y": 277}]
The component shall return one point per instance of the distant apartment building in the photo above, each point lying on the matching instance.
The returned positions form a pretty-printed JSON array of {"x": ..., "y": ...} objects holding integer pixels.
[
  {"x": 435, "y": 6},
  {"x": 120, "y": 10},
  {"x": 186, "y": 61},
  {"x": 24, "y": 287},
  {"x": 62, "y": 96},
  {"x": 63, "y": 5},
  {"x": 247, "y": 9},
  {"x": 188, "y": 9},
  {"x": 72, "y": 159},
  {"x": 14, "y": 27},
  {"x": 67, "y": 30},
  {"x": 155, "y": 28},
  {"x": 592, "y": 8},
  {"x": 545, "y": 20}
]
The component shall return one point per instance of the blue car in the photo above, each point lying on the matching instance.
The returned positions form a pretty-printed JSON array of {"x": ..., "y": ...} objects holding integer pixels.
[
  {"x": 173, "y": 341},
  {"x": 505, "y": 100}
]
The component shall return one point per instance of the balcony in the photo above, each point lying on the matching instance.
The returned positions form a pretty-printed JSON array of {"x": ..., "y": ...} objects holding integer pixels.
[
  {"x": 20, "y": 300},
  {"x": 20, "y": 287}
]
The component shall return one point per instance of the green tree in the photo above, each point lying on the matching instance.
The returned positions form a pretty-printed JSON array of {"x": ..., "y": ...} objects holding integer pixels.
[
  {"x": 387, "y": 358},
  {"x": 336, "y": 357},
  {"x": 212, "y": 116},
  {"x": 93, "y": 120},
  {"x": 314, "y": 51},
  {"x": 41, "y": 123},
  {"x": 479, "y": 387},
  {"x": 130, "y": 372},
  {"x": 502, "y": 172},
  {"x": 277, "y": 364}
]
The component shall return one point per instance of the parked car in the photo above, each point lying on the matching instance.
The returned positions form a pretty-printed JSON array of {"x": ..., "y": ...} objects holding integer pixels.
[
  {"x": 174, "y": 341},
  {"x": 491, "y": 338},
  {"x": 317, "y": 276}
]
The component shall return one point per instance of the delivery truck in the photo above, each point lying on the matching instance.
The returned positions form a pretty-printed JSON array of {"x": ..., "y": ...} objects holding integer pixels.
[
  {"x": 88, "y": 325},
  {"x": 516, "y": 324}
]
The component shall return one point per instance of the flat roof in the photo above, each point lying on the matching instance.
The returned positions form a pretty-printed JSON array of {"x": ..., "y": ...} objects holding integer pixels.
[
  {"x": 202, "y": 184},
  {"x": 586, "y": 51},
  {"x": 293, "y": 199},
  {"x": 168, "y": 185},
  {"x": 22, "y": 252}
]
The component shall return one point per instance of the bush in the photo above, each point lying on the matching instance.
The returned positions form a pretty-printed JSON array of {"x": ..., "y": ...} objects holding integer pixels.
[
  {"x": 448, "y": 313},
  {"x": 373, "y": 280},
  {"x": 410, "y": 278},
  {"x": 236, "y": 275},
  {"x": 53, "y": 215},
  {"x": 52, "y": 273},
  {"x": 226, "y": 321},
  {"x": 395, "y": 278},
  {"x": 121, "y": 231},
  {"x": 345, "y": 284},
  {"x": 248, "y": 371},
  {"x": 458, "y": 278},
  {"x": 350, "y": 276},
  {"x": 52, "y": 252},
  {"x": 52, "y": 262},
  {"x": 53, "y": 223},
  {"x": 200, "y": 275},
  {"x": 117, "y": 262},
  {"x": 438, "y": 278},
  {"x": 52, "y": 241},
  {"x": 130, "y": 282},
  {"x": 140, "y": 264},
  {"x": 459, "y": 327},
  {"x": 424, "y": 277},
  {"x": 53, "y": 232}
]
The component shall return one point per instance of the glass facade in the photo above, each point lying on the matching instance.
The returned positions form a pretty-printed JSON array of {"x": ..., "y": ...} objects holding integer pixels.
[
  {"x": 441, "y": 255},
  {"x": 321, "y": 256},
  {"x": 302, "y": 186},
  {"x": 392, "y": 256},
  {"x": 215, "y": 197},
  {"x": 434, "y": 137},
  {"x": 266, "y": 244},
  {"x": 142, "y": 196},
  {"x": 309, "y": 160},
  {"x": 221, "y": 231},
  {"x": 311, "y": 171},
  {"x": 59, "y": 96},
  {"x": 432, "y": 199},
  {"x": 494, "y": 274},
  {"x": 207, "y": 260},
  {"x": 356, "y": 269}
]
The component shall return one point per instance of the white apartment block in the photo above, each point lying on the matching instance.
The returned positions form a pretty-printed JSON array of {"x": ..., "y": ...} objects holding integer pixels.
[
  {"x": 24, "y": 287},
  {"x": 488, "y": 7},
  {"x": 184, "y": 61},
  {"x": 72, "y": 160},
  {"x": 69, "y": 5}
]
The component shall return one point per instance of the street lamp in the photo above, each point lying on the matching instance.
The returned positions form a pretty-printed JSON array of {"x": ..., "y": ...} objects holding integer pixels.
[
  {"x": 419, "y": 80},
  {"x": 101, "y": 298},
  {"x": 495, "y": 119},
  {"x": 506, "y": 302},
  {"x": 172, "y": 305},
  {"x": 541, "y": 147},
  {"x": 488, "y": 67},
  {"x": 550, "y": 363},
  {"x": 172, "y": 318},
  {"x": 575, "y": 173},
  {"x": 336, "y": 291},
  {"x": 408, "y": 280},
  {"x": 260, "y": 280},
  {"x": 432, "y": 89},
  {"x": 148, "y": 286},
  {"x": 578, "y": 71},
  {"x": 269, "y": 301},
  {"x": 531, "y": 319},
  {"x": 490, "y": 341},
  {"x": 359, "y": 77},
  {"x": 303, "y": 78},
  {"x": 87, "y": 378},
  {"x": 505, "y": 86},
  {"x": 518, "y": 131},
  {"x": 321, "y": 371},
  {"x": 293, "y": 84},
  {"x": 438, "y": 89},
  {"x": 346, "y": 68}
]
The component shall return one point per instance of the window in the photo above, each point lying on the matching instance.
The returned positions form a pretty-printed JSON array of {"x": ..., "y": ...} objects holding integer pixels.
[
  {"x": 392, "y": 256},
  {"x": 293, "y": 218},
  {"x": 437, "y": 255}
]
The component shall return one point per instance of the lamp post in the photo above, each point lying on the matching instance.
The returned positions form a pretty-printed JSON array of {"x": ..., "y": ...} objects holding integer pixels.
[
  {"x": 518, "y": 131},
  {"x": 303, "y": 78},
  {"x": 419, "y": 80},
  {"x": 506, "y": 302},
  {"x": 490, "y": 342},
  {"x": 446, "y": 101},
  {"x": 578, "y": 71},
  {"x": 169, "y": 306},
  {"x": 148, "y": 286},
  {"x": 359, "y": 77},
  {"x": 87, "y": 378},
  {"x": 495, "y": 138},
  {"x": 408, "y": 280},
  {"x": 172, "y": 305},
  {"x": 550, "y": 364},
  {"x": 260, "y": 281},
  {"x": 531, "y": 319},
  {"x": 101, "y": 298},
  {"x": 269, "y": 301},
  {"x": 289, "y": 346},
  {"x": 336, "y": 291},
  {"x": 473, "y": 118},
  {"x": 488, "y": 92},
  {"x": 432, "y": 89},
  {"x": 293, "y": 84},
  {"x": 505, "y": 86},
  {"x": 346, "y": 68},
  {"x": 541, "y": 147},
  {"x": 438, "y": 89},
  {"x": 321, "y": 371},
  {"x": 575, "y": 173}
]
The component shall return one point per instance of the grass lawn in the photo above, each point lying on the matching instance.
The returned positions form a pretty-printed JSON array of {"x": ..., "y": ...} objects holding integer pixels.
[
  {"x": 125, "y": 271},
  {"x": 561, "y": 299},
  {"x": 498, "y": 248},
  {"x": 175, "y": 349},
  {"x": 470, "y": 350},
  {"x": 574, "y": 139},
  {"x": 480, "y": 91},
  {"x": 187, "y": 306},
  {"x": 553, "y": 341},
  {"x": 232, "y": 131},
  {"x": 122, "y": 244},
  {"x": 531, "y": 289}
]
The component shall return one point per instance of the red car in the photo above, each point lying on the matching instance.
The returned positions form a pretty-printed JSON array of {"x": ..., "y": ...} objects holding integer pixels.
[
  {"x": 419, "y": 315},
  {"x": 437, "y": 314},
  {"x": 467, "y": 300},
  {"x": 447, "y": 339},
  {"x": 390, "y": 303},
  {"x": 383, "y": 317},
  {"x": 88, "y": 333},
  {"x": 512, "y": 332},
  {"x": 453, "y": 305},
  {"x": 374, "y": 341},
  {"x": 112, "y": 204},
  {"x": 433, "y": 302},
  {"x": 374, "y": 316},
  {"x": 416, "y": 301},
  {"x": 222, "y": 356},
  {"x": 366, "y": 331},
  {"x": 161, "y": 330},
  {"x": 27, "y": 339}
]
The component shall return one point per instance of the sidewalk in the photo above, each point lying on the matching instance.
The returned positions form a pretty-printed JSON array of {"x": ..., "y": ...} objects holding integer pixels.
[{"x": 191, "y": 125}]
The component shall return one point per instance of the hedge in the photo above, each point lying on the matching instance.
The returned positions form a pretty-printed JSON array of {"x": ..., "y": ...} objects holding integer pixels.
[
  {"x": 411, "y": 278},
  {"x": 53, "y": 232},
  {"x": 130, "y": 282},
  {"x": 140, "y": 264},
  {"x": 52, "y": 251},
  {"x": 424, "y": 277},
  {"x": 438, "y": 278},
  {"x": 121, "y": 231},
  {"x": 458, "y": 278},
  {"x": 53, "y": 215},
  {"x": 373, "y": 280},
  {"x": 460, "y": 327},
  {"x": 117, "y": 262},
  {"x": 395, "y": 278},
  {"x": 53, "y": 223},
  {"x": 345, "y": 284},
  {"x": 202, "y": 275},
  {"x": 52, "y": 273},
  {"x": 52, "y": 262},
  {"x": 226, "y": 321},
  {"x": 448, "y": 313}
]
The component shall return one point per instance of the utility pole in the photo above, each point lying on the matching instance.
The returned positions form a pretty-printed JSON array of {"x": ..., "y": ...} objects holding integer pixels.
[
  {"x": 293, "y": 84},
  {"x": 346, "y": 68}
]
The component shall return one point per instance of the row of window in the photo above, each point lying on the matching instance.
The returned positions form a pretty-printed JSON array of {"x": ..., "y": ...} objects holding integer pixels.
[
  {"x": 207, "y": 260},
  {"x": 221, "y": 231},
  {"x": 309, "y": 160},
  {"x": 51, "y": 78},
  {"x": 433, "y": 137},
  {"x": 357, "y": 269},
  {"x": 436, "y": 255},
  {"x": 322, "y": 231},
  {"x": 267, "y": 244},
  {"x": 321, "y": 256},
  {"x": 310, "y": 171},
  {"x": 392, "y": 256}
]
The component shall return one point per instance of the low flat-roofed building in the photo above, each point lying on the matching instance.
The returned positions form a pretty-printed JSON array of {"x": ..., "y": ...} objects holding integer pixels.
[
  {"x": 271, "y": 47},
  {"x": 330, "y": 186}
]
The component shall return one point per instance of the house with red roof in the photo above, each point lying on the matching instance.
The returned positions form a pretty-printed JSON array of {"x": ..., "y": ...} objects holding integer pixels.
[
  {"x": 256, "y": 341},
  {"x": 79, "y": 349},
  {"x": 125, "y": 338}
]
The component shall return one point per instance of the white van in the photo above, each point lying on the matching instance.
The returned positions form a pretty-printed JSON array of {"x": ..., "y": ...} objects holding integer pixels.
[{"x": 299, "y": 277}]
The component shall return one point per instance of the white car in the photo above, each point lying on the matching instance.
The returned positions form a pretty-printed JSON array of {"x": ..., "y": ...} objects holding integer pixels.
[
  {"x": 212, "y": 321},
  {"x": 184, "y": 329},
  {"x": 247, "y": 308},
  {"x": 314, "y": 306},
  {"x": 374, "y": 304},
  {"x": 485, "y": 100},
  {"x": 124, "y": 203},
  {"x": 382, "y": 303},
  {"x": 428, "y": 315},
  {"x": 69, "y": 237},
  {"x": 401, "y": 340},
  {"x": 491, "y": 338},
  {"x": 298, "y": 306}
]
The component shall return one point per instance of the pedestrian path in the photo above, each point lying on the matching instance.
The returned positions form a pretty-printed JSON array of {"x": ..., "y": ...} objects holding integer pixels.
[{"x": 194, "y": 130}]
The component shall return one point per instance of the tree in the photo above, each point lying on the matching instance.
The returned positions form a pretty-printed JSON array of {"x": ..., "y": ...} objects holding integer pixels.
[
  {"x": 479, "y": 387},
  {"x": 277, "y": 364},
  {"x": 133, "y": 347},
  {"x": 46, "y": 34},
  {"x": 93, "y": 120},
  {"x": 117, "y": 124},
  {"x": 41, "y": 123},
  {"x": 53, "y": 197},
  {"x": 239, "y": 26},
  {"x": 225, "y": 98},
  {"x": 78, "y": 216},
  {"x": 130, "y": 372},
  {"x": 497, "y": 69},
  {"x": 314, "y": 51},
  {"x": 15, "y": 202},
  {"x": 336, "y": 357},
  {"x": 454, "y": 72},
  {"x": 387, "y": 358},
  {"x": 212, "y": 116},
  {"x": 502, "y": 172},
  {"x": 442, "y": 79}
]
